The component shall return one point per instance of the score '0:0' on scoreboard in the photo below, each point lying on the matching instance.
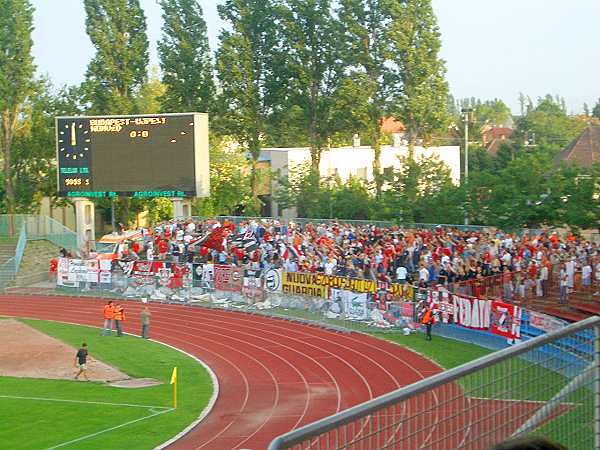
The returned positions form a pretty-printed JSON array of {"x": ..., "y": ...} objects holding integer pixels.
[{"x": 161, "y": 155}]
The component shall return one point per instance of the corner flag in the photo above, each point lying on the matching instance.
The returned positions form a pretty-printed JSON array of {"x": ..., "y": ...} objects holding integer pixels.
[{"x": 174, "y": 383}]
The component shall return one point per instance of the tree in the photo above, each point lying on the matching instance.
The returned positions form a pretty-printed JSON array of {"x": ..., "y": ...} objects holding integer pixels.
[
  {"x": 549, "y": 126},
  {"x": 117, "y": 29},
  {"x": 421, "y": 92},
  {"x": 16, "y": 82},
  {"x": 185, "y": 58},
  {"x": 575, "y": 193},
  {"x": 34, "y": 144},
  {"x": 364, "y": 23},
  {"x": 596, "y": 110},
  {"x": 415, "y": 188},
  {"x": 313, "y": 60},
  {"x": 148, "y": 99},
  {"x": 248, "y": 76},
  {"x": 229, "y": 186}
]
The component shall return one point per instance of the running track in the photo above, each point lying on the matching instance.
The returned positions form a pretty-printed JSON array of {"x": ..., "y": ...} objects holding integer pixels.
[{"x": 274, "y": 375}]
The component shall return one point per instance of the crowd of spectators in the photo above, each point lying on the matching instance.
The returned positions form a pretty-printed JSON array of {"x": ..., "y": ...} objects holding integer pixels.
[{"x": 441, "y": 256}]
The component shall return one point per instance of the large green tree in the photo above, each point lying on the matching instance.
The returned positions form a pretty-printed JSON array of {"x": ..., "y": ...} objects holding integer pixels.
[
  {"x": 421, "y": 91},
  {"x": 117, "y": 29},
  {"x": 229, "y": 185},
  {"x": 248, "y": 75},
  {"x": 313, "y": 49},
  {"x": 367, "y": 84},
  {"x": 16, "y": 82},
  {"x": 548, "y": 127},
  {"x": 415, "y": 188},
  {"x": 34, "y": 144},
  {"x": 596, "y": 110},
  {"x": 185, "y": 58}
]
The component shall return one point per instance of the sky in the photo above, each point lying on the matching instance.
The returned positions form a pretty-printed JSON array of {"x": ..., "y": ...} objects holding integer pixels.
[{"x": 492, "y": 49}]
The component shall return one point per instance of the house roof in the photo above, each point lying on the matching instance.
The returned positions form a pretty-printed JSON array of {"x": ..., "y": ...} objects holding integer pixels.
[
  {"x": 584, "y": 150},
  {"x": 391, "y": 125},
  {"x": 498, "y": 133}
]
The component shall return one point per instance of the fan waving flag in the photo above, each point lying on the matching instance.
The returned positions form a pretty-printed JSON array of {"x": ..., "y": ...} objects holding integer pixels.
[
  {"x": 246, "y": 241},
  {"x": 215, "y": 238}
]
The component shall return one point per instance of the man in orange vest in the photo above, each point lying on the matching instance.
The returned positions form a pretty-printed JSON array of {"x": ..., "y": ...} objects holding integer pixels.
[
  {"x": 119, "y": 318},
  {"x": 109, "y": 315},
  {"x": 428, "y": 320}
]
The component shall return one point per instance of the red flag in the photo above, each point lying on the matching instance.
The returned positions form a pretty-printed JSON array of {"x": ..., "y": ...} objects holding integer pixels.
[{"x": 216, "y": 237}]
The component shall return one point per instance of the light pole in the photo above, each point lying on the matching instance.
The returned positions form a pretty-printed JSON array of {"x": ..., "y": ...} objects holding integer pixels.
[{"x": 466, "y": 112}]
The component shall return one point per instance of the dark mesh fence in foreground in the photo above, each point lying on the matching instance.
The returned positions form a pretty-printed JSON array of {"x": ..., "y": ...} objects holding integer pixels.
[{"x": 548, "y": 386}]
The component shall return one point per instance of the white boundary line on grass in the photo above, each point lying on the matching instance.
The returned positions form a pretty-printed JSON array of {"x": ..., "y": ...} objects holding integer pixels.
[
  {"x": 213, "y": 377},
  {"x": 205, "y": 411},
  {"x": 84, "y": 401},
  {"x": 109, "y": 429}
]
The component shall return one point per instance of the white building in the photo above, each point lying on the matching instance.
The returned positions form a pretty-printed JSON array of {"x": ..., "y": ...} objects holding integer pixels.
[{"x": 354, "y": 161}]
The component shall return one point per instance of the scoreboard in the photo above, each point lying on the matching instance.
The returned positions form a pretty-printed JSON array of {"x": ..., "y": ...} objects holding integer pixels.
[{"x": 161, "y": 155}]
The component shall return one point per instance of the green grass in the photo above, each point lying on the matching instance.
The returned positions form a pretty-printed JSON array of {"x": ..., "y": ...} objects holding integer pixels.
[
  {"x": 35, "y": 424},
  {"x": 9, "y": 239},
  {"x": 448, "y": 353}
]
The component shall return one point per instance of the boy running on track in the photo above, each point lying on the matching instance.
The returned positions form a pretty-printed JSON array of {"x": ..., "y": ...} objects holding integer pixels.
[{"x": 81, "y": 362}]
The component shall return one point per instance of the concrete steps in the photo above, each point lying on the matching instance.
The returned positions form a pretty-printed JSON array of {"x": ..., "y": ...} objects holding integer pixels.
[
  {"x": 35, "y": 264},
  {"x": 7, "y": 251}
]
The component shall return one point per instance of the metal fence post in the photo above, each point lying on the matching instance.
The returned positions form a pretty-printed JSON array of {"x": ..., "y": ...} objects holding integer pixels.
[{"x": 597, "y": 387}]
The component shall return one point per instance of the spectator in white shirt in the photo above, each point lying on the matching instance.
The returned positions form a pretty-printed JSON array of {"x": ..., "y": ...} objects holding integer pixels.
[
  {"x": 423, "y": 274},
  {"x": 586, "y": 275},
  {"x": 401, "y": 274}
]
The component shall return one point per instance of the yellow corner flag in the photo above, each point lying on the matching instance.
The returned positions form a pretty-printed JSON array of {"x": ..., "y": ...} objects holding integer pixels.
[{"x": 174, "y": 383}]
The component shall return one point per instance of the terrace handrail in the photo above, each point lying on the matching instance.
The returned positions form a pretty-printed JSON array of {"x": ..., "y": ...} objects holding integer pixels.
[{"x": 364, "y": 409}]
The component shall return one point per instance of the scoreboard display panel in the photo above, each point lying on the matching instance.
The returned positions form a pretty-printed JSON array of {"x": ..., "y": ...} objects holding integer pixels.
[{"x": 161, "y": 155}]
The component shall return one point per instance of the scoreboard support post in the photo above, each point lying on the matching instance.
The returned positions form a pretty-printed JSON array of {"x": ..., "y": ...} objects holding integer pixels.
[
  {"x": 84, "y": 216},
  {"x": 182, "y": 208}
]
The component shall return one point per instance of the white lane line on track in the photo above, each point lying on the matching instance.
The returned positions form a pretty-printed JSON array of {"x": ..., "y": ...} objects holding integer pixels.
[
  {"x": 349, "y": 337},
  {"x": 243, "y": 318},
  {"x": 109, "y": 429},
  {"x": 228, "y": 336},
  {"x": 187, "y": 342},
  {"x": 240, "y": 317}
]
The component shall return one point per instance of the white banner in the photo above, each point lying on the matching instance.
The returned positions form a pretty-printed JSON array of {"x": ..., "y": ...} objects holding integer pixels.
[
  {"x": 64, "y": 277},
  {"x": 354, "y": 304},
  {"x": 273, "y": 280},
  {"x": 472, "y": 312}
]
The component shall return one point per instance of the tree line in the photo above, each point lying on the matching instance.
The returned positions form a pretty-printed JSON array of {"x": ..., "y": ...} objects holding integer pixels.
[{"x": 290, "y": 73}]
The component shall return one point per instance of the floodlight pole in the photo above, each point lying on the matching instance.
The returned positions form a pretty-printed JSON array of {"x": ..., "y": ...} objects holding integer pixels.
[{"x": 466, "y": 112}]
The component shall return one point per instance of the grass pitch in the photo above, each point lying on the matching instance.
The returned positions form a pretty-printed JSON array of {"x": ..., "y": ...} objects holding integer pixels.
[{"x": 48, "y": 414}]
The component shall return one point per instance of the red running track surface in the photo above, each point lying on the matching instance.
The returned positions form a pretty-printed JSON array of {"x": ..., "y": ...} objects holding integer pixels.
[{"x": 274, "y": 375}]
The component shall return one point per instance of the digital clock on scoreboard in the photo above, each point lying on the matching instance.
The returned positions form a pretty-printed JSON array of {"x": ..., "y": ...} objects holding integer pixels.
[{"x": 162, "y": 155}]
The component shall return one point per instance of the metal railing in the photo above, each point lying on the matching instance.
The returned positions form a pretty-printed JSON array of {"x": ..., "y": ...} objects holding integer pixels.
[
  {"x": 547, "y": 386},
  {"x": 10, "y": 268},
  {"x": 39, "y": 227},
  {"x": 378, "y": 223},
  {"x": 299, "y": 220}
]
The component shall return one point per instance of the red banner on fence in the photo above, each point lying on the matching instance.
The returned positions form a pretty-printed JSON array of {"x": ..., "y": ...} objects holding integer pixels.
[
  {"x": 506, "y": 320},
  {"x": 228, "y": 278}
]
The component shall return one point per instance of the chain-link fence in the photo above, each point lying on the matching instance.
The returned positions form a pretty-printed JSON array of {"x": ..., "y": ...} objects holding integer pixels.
[{"x": 548, "y": 386}]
